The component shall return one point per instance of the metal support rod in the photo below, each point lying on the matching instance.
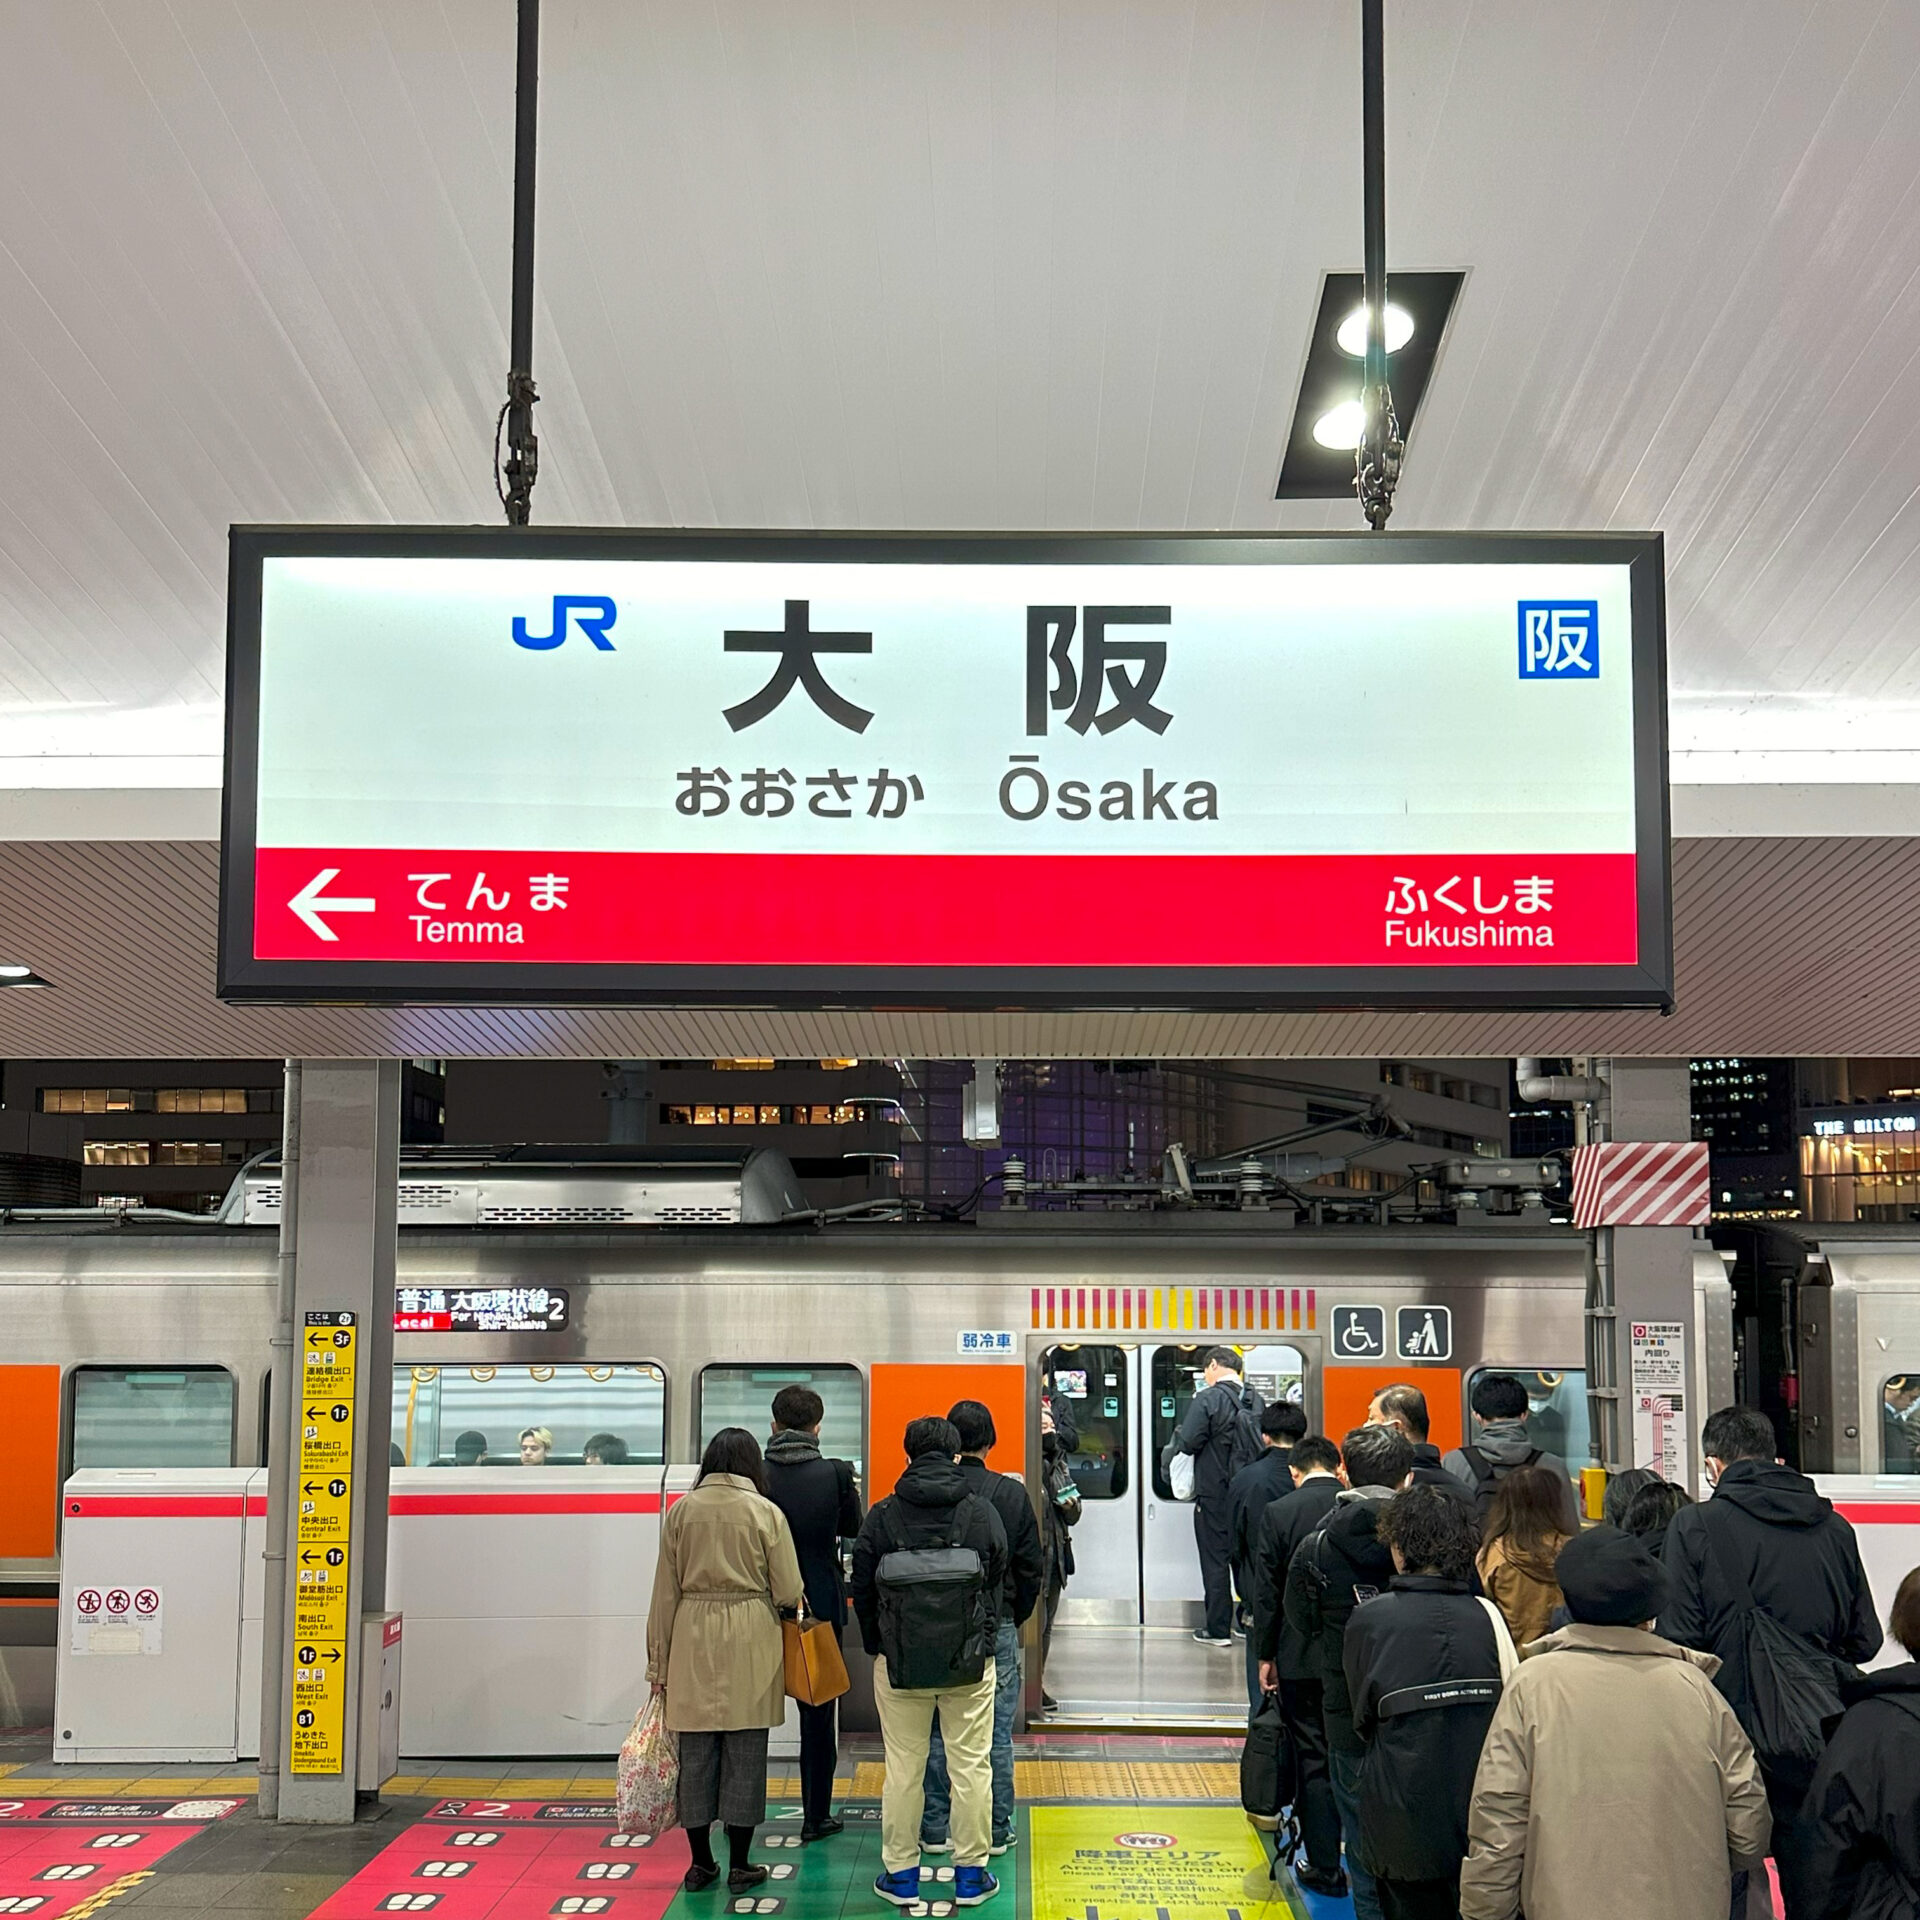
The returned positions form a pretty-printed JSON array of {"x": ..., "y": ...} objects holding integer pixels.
[
  {"x": 1377, "y": 463},
  {"x": 283, "y": 1395},
  {"x": 523, "y": 448}
]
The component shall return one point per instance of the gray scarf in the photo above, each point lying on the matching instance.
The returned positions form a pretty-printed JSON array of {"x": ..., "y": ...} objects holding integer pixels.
[{"x": 790, "y": 1447}]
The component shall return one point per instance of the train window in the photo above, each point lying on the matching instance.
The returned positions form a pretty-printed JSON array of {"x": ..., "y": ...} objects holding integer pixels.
[
  {"x": 152, "y": 1417},
  {"x": 471, "y": 1416},
  {"x": 1556, "y": 1409},
  {"x": 1090, "y": 1385},
  {"x": 1900, "y": 1424},
  {"x": 743, "y": 1397},
  {"x": 1275, "y": 1373}
]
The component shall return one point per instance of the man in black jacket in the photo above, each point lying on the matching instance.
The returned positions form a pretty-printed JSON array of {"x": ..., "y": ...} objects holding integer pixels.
[
  {"x": 1405, "y": 1407},
  {"x": 1333, "y": 1572},
  {"x": 1025, "y": 1571},
  {"x": 822, "y": 1505},
  {"x": 1766, "y": 1530},
  {"x": 1423, "y": 1673},
  {"x": 1283, "y": 1655},
  {"x": 1206, "y": 1431},
  {"x": 932, "y": 1506},
  {"x": 1250, "y": 1493}
]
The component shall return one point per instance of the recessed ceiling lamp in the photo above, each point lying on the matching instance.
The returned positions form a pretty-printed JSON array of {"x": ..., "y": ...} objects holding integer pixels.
[
  {"x": 1339, "y": 427},
  {"x": 1318, "y": 461},
  {"x": 1352, "y": 336}
]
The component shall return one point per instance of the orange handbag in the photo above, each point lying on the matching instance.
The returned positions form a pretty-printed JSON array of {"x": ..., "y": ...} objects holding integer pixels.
[{"x": 816, "y": 1672}]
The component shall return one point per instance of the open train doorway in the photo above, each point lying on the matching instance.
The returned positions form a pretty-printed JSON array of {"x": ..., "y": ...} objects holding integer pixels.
[{"x": 1123, "y": 1652}]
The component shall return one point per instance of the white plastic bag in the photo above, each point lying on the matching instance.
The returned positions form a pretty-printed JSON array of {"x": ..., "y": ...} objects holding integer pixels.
[
  {"x": 647, "y": 1794},
  {"x": 1180, "y": 1476}
]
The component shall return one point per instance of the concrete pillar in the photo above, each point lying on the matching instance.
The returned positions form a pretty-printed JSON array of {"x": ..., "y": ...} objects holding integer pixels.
[
  {"x": 333, "y": 1521},
  {"x": 1651, "y": 1268}
]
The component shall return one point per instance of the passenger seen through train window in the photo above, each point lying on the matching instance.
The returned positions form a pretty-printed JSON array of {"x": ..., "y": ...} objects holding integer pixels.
[
  {"x": 1900, "y": 1424},
  {"x": 535, "y": 1445},
  {"x": 470, "y": 1449},
  {"x": 604, "y": 1450}
]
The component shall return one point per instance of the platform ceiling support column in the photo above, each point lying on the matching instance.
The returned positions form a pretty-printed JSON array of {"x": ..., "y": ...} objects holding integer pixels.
[
  {"x": 1652, "y": 1266},
  {"x": 337, "y": 1429}
]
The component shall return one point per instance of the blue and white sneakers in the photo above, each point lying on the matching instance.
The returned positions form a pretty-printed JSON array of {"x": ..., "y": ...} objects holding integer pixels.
[
  {"x": 901, "y": 1889},
  {"x": 973, "y": 1886}
]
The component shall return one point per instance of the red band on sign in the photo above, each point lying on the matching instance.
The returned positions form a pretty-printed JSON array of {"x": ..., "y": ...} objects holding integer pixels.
[
  {"x": 946, "y": 910},
  {"x": 206, "y": 1506},
  {"x": 1890, "y": 1513}
]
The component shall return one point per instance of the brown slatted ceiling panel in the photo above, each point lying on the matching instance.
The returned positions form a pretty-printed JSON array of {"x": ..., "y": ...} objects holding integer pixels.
[{"x": 1784, "y": 946}]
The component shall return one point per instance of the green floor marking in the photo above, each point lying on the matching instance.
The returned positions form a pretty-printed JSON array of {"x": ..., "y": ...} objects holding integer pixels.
[{"x": 833, "y": 1879}]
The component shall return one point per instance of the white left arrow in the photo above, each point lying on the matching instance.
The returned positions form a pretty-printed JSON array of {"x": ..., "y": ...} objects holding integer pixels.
[{"x": 309, "y": 903}]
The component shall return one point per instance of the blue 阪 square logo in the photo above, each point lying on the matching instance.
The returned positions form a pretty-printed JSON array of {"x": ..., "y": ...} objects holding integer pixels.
[{"x": 1559, "y": 640}]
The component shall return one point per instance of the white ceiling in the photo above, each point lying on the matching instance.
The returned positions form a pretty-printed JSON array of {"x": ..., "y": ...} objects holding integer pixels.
[
  {"x": 1020, "y": 263},
  {"x": 973, "y": 263}
]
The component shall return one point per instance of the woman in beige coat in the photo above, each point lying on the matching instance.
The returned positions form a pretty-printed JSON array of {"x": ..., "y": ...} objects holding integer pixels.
[
  {"x": 1523, "y": 1540},
  {"x": 727, "y": 1567}
]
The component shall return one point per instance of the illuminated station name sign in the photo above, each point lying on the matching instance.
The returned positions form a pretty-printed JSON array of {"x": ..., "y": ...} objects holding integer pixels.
[{"x": 490, "y": 765}]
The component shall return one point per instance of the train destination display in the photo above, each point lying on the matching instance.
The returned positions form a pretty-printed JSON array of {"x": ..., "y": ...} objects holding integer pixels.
[{"x": 505, "y": 765}]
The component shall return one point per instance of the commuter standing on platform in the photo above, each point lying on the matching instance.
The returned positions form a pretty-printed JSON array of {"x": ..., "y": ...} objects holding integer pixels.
[
  {"x": 1285, "y": 1664},
  {"x": 1060, "y": 1513},
  {"x": 1405, "y": 1407},
  {"x": 1339, "y": 1568},
  {"x": 1424, "y": 1668},
  {"x": 1026, "y": 1569},
  {"x": 1523, "y": 1540},
  {"x": 1249, "y": 1494},
  {"x": 928, "y": 1572},
  {"x": 1221, "y": 1429},
  {"x": 1614, "y": 1779},
  {"x": 726, "y": 1569},
  {"x": 1862, "y": 1813},
  {"x": 1769, "y": 1541},
  {"x": 1501, "y": 1443},
  {"x": 822, "y": 1505}
]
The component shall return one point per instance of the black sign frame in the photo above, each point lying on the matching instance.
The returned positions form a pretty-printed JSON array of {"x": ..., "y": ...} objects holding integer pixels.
[{"x": 246, "y": 980}]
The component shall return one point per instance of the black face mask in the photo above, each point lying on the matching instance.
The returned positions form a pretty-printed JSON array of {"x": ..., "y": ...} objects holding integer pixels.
[{"x": 1049, "y": 1446}]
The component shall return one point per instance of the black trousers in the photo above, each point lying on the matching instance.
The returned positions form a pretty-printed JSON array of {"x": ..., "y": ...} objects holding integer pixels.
[
  {"x": 819, "y": 1755},
  {"x": 1216, "y": 1577},
  {"x": 1419, "y": 1899},
  {"x": 1313, "y": 1802}
]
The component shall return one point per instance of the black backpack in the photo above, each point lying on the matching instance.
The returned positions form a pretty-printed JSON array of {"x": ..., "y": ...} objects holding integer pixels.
[
  {"x": 1244, "y": 1444},
  {"x": 933, "y": 1605},
  {"x": 1487, "y": 1474},
  {"x": 1783, "y": 1689}
]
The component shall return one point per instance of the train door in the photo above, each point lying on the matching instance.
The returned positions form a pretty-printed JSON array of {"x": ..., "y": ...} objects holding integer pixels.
[{"x": 1135, "y": 1563}]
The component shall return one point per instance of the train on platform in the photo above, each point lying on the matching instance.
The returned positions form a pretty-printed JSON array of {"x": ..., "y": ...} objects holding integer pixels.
[{"x": 618, "y": 1315}]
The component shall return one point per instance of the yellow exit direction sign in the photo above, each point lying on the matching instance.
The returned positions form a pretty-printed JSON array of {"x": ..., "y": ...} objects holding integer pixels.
[{"x": 323, "y": 1510}]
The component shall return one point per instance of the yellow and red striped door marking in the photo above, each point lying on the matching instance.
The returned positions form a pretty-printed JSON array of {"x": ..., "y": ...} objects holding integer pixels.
[{"x": 1217, "y": 1310}]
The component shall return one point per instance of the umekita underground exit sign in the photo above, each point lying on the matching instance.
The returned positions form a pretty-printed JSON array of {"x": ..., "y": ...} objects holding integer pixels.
[{"x": 512, "y": 766}]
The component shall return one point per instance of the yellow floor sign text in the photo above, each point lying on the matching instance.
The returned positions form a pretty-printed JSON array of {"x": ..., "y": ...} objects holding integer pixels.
[{"x": 1150, "y": 1863}]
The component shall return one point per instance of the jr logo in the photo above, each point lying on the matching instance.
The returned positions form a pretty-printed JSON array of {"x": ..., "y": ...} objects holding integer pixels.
[
  {"x": 1559, "y": 640},
  {"x": 594, "y": 612}
]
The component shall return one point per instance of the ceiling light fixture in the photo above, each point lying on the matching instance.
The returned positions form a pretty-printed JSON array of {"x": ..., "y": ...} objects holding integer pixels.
[
  {"x": 1339, "y": 427},
  {"x": 1314, "y": 467},
  {"x": 1352, "y": 337}
]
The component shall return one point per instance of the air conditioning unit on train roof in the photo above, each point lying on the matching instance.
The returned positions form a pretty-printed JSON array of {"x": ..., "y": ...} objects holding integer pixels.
[{"x": 567, "y": 1186}]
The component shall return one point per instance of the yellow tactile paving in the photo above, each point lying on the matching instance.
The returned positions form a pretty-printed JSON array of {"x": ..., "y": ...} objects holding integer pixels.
[{"x": 1089, "y": 1780}]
